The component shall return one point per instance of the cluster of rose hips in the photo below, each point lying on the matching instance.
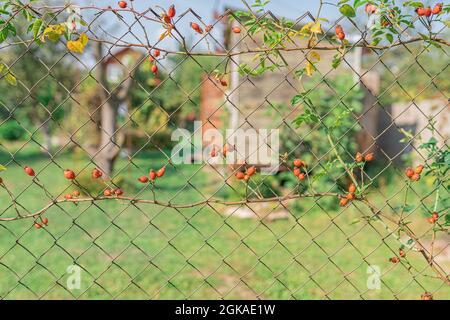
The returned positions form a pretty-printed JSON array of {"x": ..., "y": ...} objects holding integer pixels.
[
  {"x": 340, "y": 32},
  {"x": 153, "y": 175},
  {"x": 247, "y": 175},
  {"x": 359, "y": 158},
  {"x": 152, "y": 59},
  {"x": 298, "y": 165},
  {"x": 414, "y": 175},
  {"x": 112, "y": 192},
  {"x": 44, "y": 222},
  {"x": 196, "y": 27},
  {"x": 434, "y": 217},
  {"x": 349, "y": 197},
  {"x": 426, "y": 12},
  {"x": 367, "y": 158},
  {"x": 226, "y": 148},
  {"x": 75, "y": 194},
  {"x": 396, "y": 259}
]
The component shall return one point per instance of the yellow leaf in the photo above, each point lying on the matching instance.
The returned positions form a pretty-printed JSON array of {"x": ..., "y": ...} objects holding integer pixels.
[
  {"x": 78, "y": 45},
  {"x": 83, "y": 39},
  {"x": 315, "y": 56},
  {"x": 53, "y": 32},
  {"x": 11, "y": 79},
  {"x": 309, "y": 69},
  {"x": 163, "y": 35},
  {"x": 306, "y": 27},
  {"x": 315, "y": 28},
  {"x": 74, "y": 46}
]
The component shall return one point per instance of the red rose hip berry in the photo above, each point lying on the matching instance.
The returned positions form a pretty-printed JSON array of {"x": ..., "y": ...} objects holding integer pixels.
[
  {"x": 143, "y": 179},
  {"x": 29, "y": 171},
  {"x": 69, "y": 174}
]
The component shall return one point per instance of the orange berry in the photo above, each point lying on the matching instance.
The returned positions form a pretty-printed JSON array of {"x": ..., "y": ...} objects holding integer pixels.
[
  {"x": 370, "y": 8},
  {"x": 225, "y": 149},
  {"x": 196, "y": 27},
  {"x": 107, "y": 192},
  {"x": 343, "y": 202},
  {"x": 237, "y": 30},
  {"x": 437, "y": 9},
  {"x": 171, "y": 11},
  {"x": 161, "y": 172},
  {"x": 45, "y": 221},
  {"x": 152, "y": 175},
  {"x": 369, "y": 157},
  {"x": 69, "y": 174},
  {"x": 251, "y": 171},
  {"x": 301, "y": 176},
  {"x": 96, "y": 173},
  {"x": 155, "y": 69},
  {"x": 143, "y": 179},
  {"x": 68, "y": 196},
  {"x": 426, "y": 296},
  {"x": 213, "y": 152},
  {"x": 246, "y": 177},
  {"x": 351, "y": 196},
  {"x": 394, "y": 259},
  {"x": 118, "y": 192},
  {"x": 402, "y": 253},
  {"x": 409, "y": 172},
  {"x": 297, "y": 171},
  {"x": 431, "y": 220},
  {"x": 76, "y": 193},
  {"x": 339, "y": 29},
  {"x": 297, "y": 163},
  {"x": 240, "y": 175},
  {"x": 29, "y": 171},
  {"x": 415, "y": 177},
  {"x": 435, "y": 216},
  {"x": 122, "y": 4},
  {"x": 352, "y": 188},
  {"x": 419, "y": 169},
  {"x": 208, "y": 28},
  {"x": 341, "y": 36},
  {"x": 359, "y": 157},
  {"x": 37, "y": 225}
]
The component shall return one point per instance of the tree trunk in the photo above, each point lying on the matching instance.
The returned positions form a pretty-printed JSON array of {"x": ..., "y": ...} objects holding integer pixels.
[
  {"x": 108, "y": 149},
  {"x": 46, "y": 136},
  {"x": 110, "y": 141}
]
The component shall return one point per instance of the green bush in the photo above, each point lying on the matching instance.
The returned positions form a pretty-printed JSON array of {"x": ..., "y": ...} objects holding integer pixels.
[{"x": 11, "y": 131}]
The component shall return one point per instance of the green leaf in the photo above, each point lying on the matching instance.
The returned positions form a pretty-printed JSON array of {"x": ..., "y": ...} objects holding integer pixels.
[
  {"x": 390, "y": 37},
  {"x": 37, "y": 25},
  {"x": 3, "y": 34},
  {"x": 347, "y": 11}
]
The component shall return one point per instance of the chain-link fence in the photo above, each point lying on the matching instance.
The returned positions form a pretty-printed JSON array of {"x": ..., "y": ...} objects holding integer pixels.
[{"x": 154, "y": 153}]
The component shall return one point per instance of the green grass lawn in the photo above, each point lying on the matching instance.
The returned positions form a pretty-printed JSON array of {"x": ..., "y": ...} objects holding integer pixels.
[{"x": 139, "y": 251}]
